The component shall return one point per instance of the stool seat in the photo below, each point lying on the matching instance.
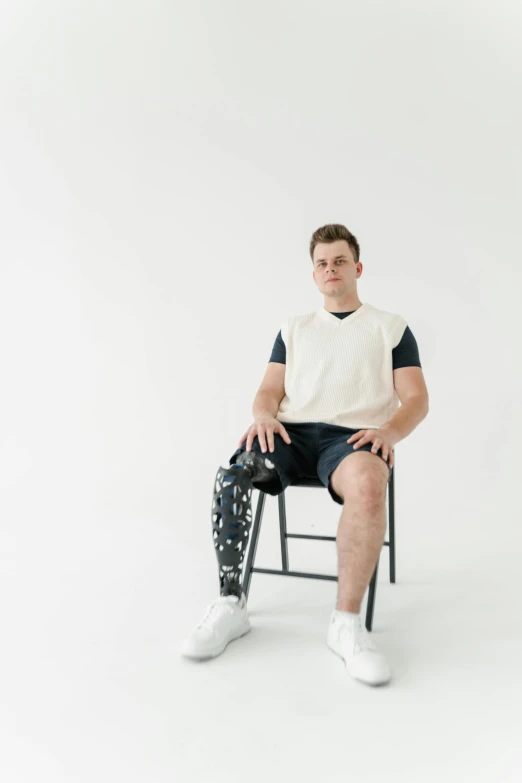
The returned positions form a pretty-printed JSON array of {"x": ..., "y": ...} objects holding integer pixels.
[
  {"x": 314, "y": 481},
  {"x": 307, "y": 481}
]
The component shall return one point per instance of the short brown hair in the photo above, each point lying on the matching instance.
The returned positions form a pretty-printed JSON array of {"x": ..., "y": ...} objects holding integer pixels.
[{"x": 331, "y": 233}]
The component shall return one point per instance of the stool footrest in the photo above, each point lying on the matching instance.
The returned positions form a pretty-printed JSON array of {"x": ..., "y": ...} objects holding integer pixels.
[
  {"x": 295, "y": 573},
  {"x": 316, "y": 538},
  {"x": 321, "y": 538}
]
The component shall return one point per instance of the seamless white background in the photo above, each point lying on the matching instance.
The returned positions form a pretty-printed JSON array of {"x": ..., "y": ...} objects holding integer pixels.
[{"x": 163, "y": 166}]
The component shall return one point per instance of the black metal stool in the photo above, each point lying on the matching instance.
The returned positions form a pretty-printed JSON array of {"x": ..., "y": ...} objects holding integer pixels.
[{"x": 313, "y": 481}]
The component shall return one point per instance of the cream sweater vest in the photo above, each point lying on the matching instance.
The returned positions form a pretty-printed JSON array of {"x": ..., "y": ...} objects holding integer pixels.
[{"x": 339, "y": 370}]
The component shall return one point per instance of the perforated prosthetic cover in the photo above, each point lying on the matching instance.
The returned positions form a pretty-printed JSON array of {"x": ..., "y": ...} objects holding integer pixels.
[{"x": 232, "y": 515}]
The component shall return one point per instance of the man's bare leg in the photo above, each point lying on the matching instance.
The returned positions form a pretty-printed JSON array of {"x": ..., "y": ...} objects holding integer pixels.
[
  {"x": 360, "y": 537},
  {"x": 361, "y": 481}
]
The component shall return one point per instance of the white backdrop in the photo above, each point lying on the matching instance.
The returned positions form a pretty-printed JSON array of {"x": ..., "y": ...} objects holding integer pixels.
[{"x": 163, "y": 167}]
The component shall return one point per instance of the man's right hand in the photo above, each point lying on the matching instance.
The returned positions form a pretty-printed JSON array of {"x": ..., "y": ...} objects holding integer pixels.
[{"x": 264, "y": 427}]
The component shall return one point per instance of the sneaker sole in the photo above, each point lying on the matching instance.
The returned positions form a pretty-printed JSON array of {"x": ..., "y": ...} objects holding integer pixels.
[
  {"x": 204, "y": 656},
  {"x": 366, "y": 682}
]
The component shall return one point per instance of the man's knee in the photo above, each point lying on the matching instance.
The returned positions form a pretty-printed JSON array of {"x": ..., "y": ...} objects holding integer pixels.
[{"x": 363, "y": 475}]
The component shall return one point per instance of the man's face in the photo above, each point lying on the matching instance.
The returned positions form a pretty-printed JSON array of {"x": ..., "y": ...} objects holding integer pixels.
[{"x": 335, "y": 260}]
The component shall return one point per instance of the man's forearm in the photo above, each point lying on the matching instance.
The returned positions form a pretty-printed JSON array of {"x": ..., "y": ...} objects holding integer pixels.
[{"x": 406, "y": 418}]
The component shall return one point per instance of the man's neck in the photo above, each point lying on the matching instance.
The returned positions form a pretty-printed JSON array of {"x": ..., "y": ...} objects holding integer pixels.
[{"x": 341, "y": 307}]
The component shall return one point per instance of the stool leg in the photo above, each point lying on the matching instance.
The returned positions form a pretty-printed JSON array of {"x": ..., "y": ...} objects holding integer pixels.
[
  {"x": 282, "y": 530},
  {"x": 391, "y": 524},
  {"x": 247, "y": 573},
  {"x": 371, "y": 598}
]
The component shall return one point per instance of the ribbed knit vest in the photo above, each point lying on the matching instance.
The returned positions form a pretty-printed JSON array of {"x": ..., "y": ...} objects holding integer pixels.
[{"x": 339, "y": 370}]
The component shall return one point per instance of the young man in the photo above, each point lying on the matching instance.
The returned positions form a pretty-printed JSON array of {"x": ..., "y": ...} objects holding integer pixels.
[{"x": 328, "y": 406}]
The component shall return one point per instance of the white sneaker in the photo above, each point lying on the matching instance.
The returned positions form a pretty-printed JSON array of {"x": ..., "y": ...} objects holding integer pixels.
[
  {"x": 348, "y": 638},
  {"x": 226, "y": 619}
]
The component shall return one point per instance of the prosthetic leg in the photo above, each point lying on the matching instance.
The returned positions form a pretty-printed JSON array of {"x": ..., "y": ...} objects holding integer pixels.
[{"x": 232, "y": 514}]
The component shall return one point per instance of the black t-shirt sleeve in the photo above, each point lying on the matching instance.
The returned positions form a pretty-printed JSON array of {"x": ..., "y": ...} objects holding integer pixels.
[
  {"x": 406, "y": 353},
  {"x": 279, "y": 350}
]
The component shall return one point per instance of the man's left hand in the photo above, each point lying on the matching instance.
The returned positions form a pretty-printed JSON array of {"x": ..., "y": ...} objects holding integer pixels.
[{"x": 381, "y": 438}]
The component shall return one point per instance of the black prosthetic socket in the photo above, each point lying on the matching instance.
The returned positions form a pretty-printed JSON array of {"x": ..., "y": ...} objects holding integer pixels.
[{"x": 232, "y": 515}]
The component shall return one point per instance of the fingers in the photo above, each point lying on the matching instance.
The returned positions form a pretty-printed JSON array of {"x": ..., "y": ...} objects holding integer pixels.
[
  {"x": 265, "y": 436},
  {"x": 270, "y": 435},
  {"x": 250, "y": 438},
  {"x": 386, "y": 451},
  {"x": 386, "y": 454},
  {"x": 261, "y": 439},
  {"x": 285, "y": 435},
  {"x": 361, "y": 441}
]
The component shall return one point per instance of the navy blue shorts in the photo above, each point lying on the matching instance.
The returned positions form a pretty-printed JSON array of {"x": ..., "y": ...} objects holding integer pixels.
[{"x": 315, "y": 451}]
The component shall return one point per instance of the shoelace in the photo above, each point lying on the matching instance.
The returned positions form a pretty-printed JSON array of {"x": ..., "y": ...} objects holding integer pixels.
[{"x": 219, "y": 603}]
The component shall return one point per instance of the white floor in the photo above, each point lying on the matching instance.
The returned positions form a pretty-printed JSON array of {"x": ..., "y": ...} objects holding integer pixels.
[{"x": 93, "y": 687}]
